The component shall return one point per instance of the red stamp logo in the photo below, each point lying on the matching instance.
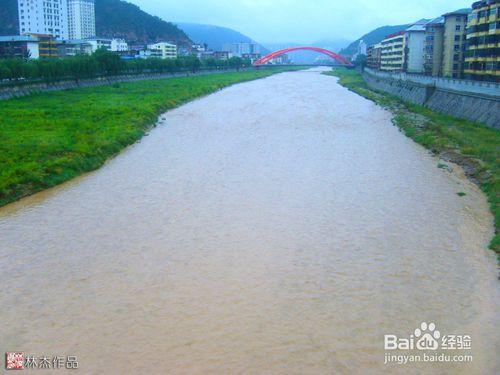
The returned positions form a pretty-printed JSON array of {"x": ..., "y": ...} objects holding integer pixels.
[{"x": 14, "y": 361}]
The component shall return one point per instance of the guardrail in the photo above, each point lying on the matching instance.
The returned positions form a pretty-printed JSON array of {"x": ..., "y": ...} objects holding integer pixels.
[{"x": 464, "y": 85}]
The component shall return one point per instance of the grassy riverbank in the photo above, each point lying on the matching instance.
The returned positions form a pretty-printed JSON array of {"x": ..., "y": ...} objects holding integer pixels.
[
  {"x": 49, "y": 138},
  {"x": 472, "y": 145}
]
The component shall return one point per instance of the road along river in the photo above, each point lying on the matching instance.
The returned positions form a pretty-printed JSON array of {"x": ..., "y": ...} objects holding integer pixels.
[{"x": 278, "y": 226}]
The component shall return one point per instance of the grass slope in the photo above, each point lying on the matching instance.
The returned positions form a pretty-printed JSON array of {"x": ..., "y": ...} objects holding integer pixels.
[
  {"x": 49, "y": 138},
  {"x": 472, "y": 145}
]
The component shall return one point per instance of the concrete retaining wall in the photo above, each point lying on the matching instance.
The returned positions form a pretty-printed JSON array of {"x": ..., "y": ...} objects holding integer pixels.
[{"x": 468, "y": 105}]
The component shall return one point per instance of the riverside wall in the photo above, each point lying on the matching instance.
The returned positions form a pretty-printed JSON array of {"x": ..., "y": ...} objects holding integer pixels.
[{"x": 462, "y": 101}]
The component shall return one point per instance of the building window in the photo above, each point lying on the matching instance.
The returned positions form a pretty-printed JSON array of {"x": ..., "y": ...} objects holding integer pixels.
[{"x": 458, "y": 28}]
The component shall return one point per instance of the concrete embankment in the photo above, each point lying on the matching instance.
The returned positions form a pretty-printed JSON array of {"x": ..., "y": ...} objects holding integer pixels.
[{"x": 474, "y": 106}]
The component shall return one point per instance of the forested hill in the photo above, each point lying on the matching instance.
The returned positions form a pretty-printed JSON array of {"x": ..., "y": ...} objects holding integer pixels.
[
  {"x": 373, "y": 37},
  {"x": 8, "y": 17},
  {"x": 114, "y": 18}
]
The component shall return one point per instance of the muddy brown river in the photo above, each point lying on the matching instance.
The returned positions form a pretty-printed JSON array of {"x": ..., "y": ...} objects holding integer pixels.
[{"x": 278, "y": 226}]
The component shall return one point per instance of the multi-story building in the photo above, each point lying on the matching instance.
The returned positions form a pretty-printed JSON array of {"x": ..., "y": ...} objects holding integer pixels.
[
  {"x": 393, "y": 53},
  {"x": 81, "y": 19},
  {"x": 74, "y": 47},
  {"x": 251, "y": 56},
  {"x": 22, "y": 46},
  {"x": 361, "y": 49},
  {"x": 434, "y": 36},
  {"x": 47, "y": 45},
  {"x": 415, "y": 47},
  {"x": 163, "y": 50},
  {"x": 239, "y": 49},
  {"x": 482, "y": 61},
  {"x": 119, "y": 45},
  {"x": 454, "y": 43},
  {"x": 222, "y": 55},
  {"x": 48, "y": 17},
  {"x": 98, "y": 43},
  {"x": 373, "y": 56}
]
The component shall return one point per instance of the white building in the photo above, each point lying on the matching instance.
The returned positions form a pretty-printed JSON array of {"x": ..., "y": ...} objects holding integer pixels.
[
  {"x": 119, "y": 45},
  {"x": 43, "y": 17},
  {"x": 240, "y": 49},
  {"x": 361, "y": 49},
  {"x": 98, "y": 43},
  {"x": 163, "y": 50},
  {"x": 415, "y": 44},
  {"x": 81, "y": 19}
]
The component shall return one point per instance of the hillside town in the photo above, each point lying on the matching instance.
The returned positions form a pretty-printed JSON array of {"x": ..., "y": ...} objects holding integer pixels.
[
  {"x": 462, "y": 44},
  {"x": 49, "y": 29}
]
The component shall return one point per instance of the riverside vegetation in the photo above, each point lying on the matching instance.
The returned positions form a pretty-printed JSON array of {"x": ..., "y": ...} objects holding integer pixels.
[
  {"x": 103, "y": 63},
  {"x": 473, "y": 146},
  {"x": 46, "y": 139}
]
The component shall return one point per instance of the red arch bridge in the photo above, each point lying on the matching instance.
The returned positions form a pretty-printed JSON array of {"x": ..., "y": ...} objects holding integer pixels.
[{"x": 265, "y": 59}]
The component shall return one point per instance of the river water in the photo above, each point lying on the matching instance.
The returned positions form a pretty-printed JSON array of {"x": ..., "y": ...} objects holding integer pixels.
[{"x": 277, "y": 226}]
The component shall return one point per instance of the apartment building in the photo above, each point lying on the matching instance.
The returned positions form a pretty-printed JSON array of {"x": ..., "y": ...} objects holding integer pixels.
[
  {"x": 482, "y": 59},
  {"x": 454, "y": 43},
  {"x": 373, "y": 56},
  {"x": 81, "y": 19},
  {"x": 434, "y": 37},
  {"x": 415, "y": 47},
  {"x": 47, "y": 45},
  {"x": 163, "y": 50},
  {"x": 74, "y": 47},
  {"x": 119, "y": 45},
  {"x": 21, "y": 46},
  {"x": 45, "y": 17},
  {"x": 240, "y": 49},
  {"x": 98, "y": 43},
  {"x": 393, "y": 52}
]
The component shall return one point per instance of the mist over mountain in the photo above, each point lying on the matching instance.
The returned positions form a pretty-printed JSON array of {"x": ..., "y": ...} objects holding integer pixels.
[{"x": 215, "y": 36}]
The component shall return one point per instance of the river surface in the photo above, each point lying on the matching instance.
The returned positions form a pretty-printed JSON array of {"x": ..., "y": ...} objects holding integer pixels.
[{"x": 277, "y": 226}]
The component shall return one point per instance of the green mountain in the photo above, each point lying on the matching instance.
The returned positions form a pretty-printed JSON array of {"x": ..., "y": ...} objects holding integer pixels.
[
  {"x": 114, "y": 18},
  {"x": 215, "y": 36},
  {"x": 373, "y": 37},
  {"x": 8, "y": 17}
]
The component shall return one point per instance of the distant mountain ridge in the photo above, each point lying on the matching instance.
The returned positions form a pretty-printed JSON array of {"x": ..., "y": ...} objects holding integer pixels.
[
  {"x": 373, "y": 37},
  {"x": 114, "y": 18},
  {"x": 215, "y": 36}
]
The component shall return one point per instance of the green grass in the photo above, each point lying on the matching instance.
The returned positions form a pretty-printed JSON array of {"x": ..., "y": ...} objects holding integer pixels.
[
  {"x": 49, "y": 138},
  {"x": 474, "y": 146}
]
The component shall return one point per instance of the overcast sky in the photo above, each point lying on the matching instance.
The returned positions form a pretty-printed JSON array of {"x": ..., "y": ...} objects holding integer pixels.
[{"x": 302, "y": 21}]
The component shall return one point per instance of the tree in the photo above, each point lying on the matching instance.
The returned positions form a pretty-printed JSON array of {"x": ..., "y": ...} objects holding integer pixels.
[{"x": 109, "y": 63}]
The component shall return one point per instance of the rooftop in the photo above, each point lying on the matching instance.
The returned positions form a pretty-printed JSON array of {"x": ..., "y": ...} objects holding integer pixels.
[
  {"x": 419, "y": 25},
  {"x": 436, "y": 21},
  {"x": 18, "y": 38},
  {"x": 463, "y": 11}
]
